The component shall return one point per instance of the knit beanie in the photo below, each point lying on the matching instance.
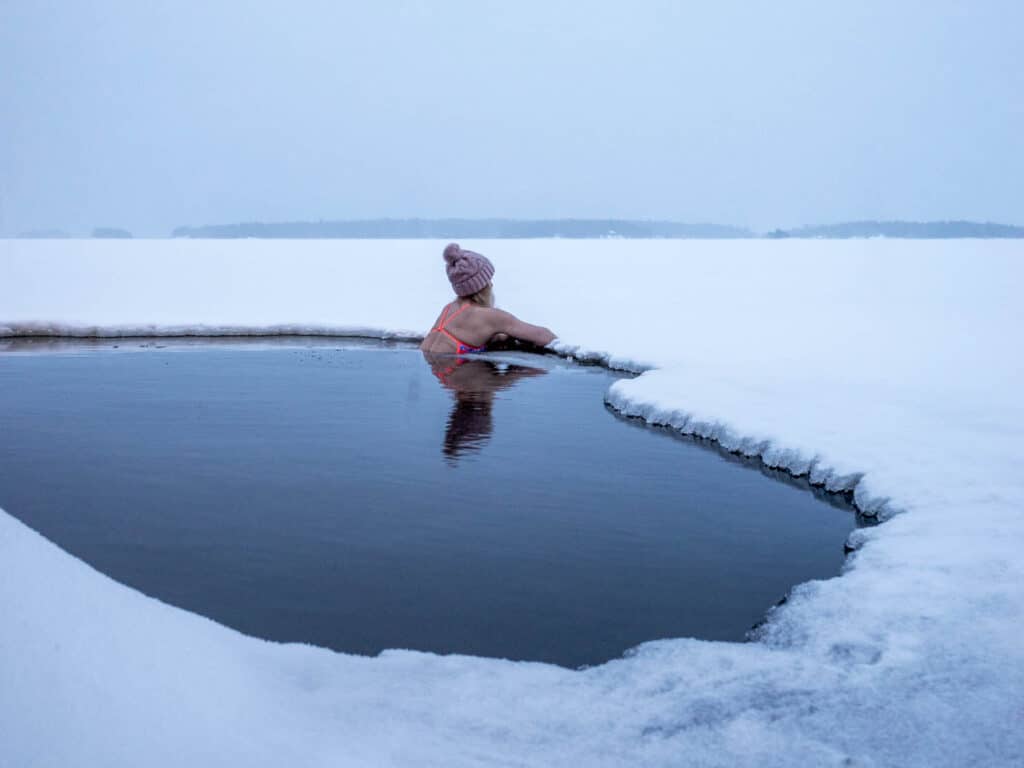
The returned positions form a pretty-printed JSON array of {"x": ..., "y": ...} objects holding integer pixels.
[{"x": 468, "y": 272}]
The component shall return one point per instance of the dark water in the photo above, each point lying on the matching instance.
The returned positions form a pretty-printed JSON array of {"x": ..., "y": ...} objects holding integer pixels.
[{"x": 352, "y": 497}]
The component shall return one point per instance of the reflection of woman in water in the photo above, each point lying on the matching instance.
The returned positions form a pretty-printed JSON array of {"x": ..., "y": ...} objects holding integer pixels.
[
  {"x": 473, "y": 384},
  {"x": 471, "y": 322}
]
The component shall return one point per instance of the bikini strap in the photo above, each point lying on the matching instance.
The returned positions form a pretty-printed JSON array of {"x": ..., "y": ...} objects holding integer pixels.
[{"x": 445, "y": 317}]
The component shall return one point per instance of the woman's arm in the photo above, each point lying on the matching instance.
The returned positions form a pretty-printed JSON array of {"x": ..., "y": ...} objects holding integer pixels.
[{"x": 507, "y": 323}]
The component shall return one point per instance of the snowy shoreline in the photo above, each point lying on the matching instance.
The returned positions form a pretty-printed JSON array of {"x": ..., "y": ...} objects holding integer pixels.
[{"x": 892, "y": 369}]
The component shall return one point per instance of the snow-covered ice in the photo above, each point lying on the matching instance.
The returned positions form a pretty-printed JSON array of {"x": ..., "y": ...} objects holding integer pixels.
[{"x": 890, "y": 367}]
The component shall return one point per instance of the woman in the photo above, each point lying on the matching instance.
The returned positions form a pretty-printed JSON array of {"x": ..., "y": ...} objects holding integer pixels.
[{"x": 471, "y": 322}]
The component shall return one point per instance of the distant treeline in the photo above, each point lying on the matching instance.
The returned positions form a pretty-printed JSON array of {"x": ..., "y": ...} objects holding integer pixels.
[
  {"x": 906, "y": 229},
  {"x": 465, "y": 228},
  {"x": 60, "y": 234},
  {"x": 111, "y": 233},
  {"x": 44, "y": 234},
  {"x": 453, "y": 229}
]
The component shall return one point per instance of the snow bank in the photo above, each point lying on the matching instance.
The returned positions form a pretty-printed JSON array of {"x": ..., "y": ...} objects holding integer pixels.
[{"x": 892, "y": 368}]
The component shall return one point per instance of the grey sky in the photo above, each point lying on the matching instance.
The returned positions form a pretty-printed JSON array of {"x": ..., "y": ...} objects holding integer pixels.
[{"x": 151, "y": 114}]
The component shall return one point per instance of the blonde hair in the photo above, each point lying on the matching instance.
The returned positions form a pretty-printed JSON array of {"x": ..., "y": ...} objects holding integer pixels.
[{"x": 482, "y": 298}]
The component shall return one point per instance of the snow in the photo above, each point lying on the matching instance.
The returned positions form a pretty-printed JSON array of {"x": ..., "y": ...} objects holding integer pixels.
[{"x": 892, "y": 368}]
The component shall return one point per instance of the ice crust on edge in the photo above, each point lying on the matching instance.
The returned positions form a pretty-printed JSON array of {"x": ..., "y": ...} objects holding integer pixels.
[
  {"x": 892, "y": 368},
  {"x": 60, "y": 330}
]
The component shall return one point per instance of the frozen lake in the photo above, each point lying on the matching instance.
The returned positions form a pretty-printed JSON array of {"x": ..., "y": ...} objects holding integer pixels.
[
  {"x": 356, "y": 497},
  {"x": 890, "y": 369}
]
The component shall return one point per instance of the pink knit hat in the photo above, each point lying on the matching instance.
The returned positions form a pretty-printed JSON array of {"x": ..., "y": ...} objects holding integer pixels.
[{"x": 468, "y": 272}]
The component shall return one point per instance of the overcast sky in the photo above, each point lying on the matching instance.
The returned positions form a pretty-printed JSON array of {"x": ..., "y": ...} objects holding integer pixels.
[{"x": 148, "y": 115}]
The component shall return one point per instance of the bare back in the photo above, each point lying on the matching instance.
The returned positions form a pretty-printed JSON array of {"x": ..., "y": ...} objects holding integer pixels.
[{"x": 475, "y": 326}]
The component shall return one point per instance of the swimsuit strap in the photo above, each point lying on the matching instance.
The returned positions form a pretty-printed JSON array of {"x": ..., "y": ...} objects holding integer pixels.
[
  {"x": 445, "y": 317},
  {"x": 461, "y": 347}
]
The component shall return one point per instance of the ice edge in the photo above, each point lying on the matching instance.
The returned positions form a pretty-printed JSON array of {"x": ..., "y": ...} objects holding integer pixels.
[
  {"x": 769, "y": 453},
  {"x": 59, "y": 330}
]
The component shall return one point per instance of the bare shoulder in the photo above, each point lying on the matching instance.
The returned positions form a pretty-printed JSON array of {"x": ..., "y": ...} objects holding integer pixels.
[
  {"x": 497, "y": 316},
  {"x": 500, "y": 321}
]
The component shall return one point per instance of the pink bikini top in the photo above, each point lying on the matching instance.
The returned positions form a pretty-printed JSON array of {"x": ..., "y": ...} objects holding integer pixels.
[{"x": 461, "y": 347}]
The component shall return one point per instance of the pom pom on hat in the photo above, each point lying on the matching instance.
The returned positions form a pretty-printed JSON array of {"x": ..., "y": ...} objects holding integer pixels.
[{"x": 451, "y": 252}]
